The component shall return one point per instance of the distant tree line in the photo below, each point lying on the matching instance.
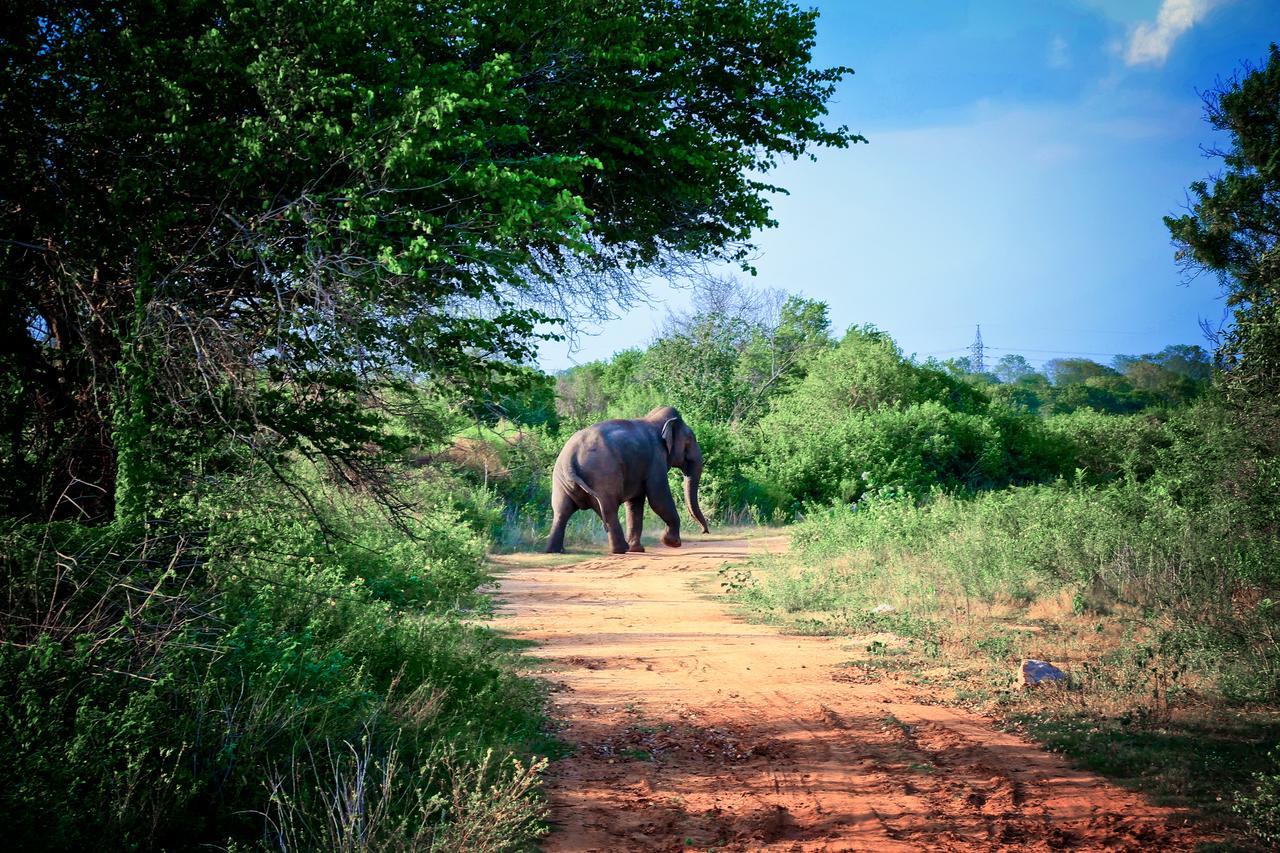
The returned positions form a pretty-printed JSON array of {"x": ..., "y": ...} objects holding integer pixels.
[{"x": 1174, "y": 375}]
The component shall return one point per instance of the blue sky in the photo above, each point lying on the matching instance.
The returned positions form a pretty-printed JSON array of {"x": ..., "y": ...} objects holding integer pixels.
[{"x": 1021, "y": 157}]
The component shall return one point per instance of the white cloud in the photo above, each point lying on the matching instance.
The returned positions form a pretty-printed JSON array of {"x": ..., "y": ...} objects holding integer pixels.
[
  {"x": 1150, "y": 43},
  {"x": 1059, "y": 54}
]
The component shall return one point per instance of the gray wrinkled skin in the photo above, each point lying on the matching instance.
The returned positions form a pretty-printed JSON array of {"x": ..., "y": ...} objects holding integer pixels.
[{"x": 625, "y": 462}]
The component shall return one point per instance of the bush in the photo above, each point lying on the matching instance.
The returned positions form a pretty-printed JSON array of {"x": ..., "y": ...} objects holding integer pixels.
[
  {"x": 1261, "y": 807},
  {"x": 907, "y": 449},
  {"x": 1109, "y": 447},
  {"x": 170, "y": 690}
]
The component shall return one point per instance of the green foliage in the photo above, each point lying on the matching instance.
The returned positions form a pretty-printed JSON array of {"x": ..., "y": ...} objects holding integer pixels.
[
  {"x": 725, "y": 362},
  {"x": 1261, "y": 807},
  {"x": 728, "y": 360},
  {"x": 840, "y": 422},
  {"x": 1035, "y": 538},
  {"x": 1174, "y": 376},
  {"x": 1076, "y": 371},
  {"x": 867, "y": 421},
  {"x": 250, "y": 218},
  {"x": 867, "y": 371},
  {"x": 889, "y": 451},
  {"x": 187, "y": 684},
  {"x": 1127, "y": 543},
  {"x": 599, "y": 390},
  {"x": 1013, "y": 368},
  {"x": 1231, "y": 230},
  {"x": 697, "y": 367},
  {"x": 528, "y": 402},
  {"x": 1105, "y": 447}
]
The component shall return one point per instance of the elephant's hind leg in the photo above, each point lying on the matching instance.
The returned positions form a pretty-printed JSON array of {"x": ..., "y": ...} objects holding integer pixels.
[
  {"x": 562, "y": 508},
  {"x": 609, "y": 515},
  {"x": 635, "y": 523}
]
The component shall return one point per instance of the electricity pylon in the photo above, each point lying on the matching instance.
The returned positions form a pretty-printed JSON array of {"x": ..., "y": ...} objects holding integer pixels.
[{"x": 977, "y": 364}]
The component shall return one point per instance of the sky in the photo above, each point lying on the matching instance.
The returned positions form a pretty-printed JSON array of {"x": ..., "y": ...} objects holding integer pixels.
[{"x": 1020, "y": 158}]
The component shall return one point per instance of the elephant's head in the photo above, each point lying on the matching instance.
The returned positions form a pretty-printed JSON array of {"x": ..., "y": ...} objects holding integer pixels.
[{"x": 683, "y": 453}]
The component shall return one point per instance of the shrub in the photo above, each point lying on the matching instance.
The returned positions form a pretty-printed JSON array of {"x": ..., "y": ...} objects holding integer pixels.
[
  {"x": 908, "y": 449},
  {"x": 168, "y": 690},
  {"x": 1109, "y": 447},
  {"x": 1261, "y": 807}
]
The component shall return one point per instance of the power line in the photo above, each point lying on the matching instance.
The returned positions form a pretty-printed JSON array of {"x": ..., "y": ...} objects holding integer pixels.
[{"x": 1055, "y": 351}]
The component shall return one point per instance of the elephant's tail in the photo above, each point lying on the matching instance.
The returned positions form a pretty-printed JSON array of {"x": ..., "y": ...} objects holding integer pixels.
[{"x": 570, "y": 478}]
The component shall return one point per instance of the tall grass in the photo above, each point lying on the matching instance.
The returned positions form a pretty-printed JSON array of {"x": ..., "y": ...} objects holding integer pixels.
[
  {"x": 1130, "y": 541},
  {"x": 269, "y": 677},
  {"x": 1125, "y": 546}
]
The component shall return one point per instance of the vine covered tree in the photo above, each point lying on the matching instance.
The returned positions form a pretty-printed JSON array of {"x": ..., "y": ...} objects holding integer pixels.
[{"x": 239, "y": 224}]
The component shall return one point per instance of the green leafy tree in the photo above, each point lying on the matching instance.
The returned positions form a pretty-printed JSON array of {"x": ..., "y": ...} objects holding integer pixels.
[
  {"x": 864, "y": 408},
  {"x": 1232, "y": 230},
  {"x": 1013, "y": 368},
  {"x": 1073, "y": 371},
  {"x": 530, "y": 400},
  {"x": 1185, "y": 360},
  {"x": 616, "y": 387},
  {"x": 782, "y": 344},
  {"x": 1019, "y": 397},
  {"x": 1174, "y": 375},
  {"x": 696, "y": 365},
  {"x": 237, "y": 223},
  {"x": 728, "y": 357}
]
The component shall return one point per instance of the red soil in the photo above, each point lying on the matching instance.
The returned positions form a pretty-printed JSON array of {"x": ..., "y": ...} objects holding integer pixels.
[{"x": 697, "y": 731}]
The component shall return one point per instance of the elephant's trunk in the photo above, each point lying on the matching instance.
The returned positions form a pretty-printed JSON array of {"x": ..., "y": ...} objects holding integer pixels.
[{"x": 693, "y": 474}]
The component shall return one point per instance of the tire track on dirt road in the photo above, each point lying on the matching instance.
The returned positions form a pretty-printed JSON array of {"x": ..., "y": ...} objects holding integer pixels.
[{"x": 694, "y": 730}]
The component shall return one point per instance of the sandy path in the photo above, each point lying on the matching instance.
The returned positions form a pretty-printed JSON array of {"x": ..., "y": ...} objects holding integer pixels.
[{"x": 695, "y": 730}]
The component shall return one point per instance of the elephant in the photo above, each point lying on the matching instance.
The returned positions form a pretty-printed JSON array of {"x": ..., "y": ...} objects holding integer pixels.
[{"x": 622, "y": 462}]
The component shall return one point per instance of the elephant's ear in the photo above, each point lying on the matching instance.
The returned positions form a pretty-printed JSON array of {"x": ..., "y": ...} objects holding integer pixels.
[{"x": 669, "y": 430}]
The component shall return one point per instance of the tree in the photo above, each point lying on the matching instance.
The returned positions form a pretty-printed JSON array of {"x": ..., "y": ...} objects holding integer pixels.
[
  {"x": 695, "y": 365},
  {"x": 1232, "y": 230},
  {"x": 1012, "y": 368},
  {"x": 1072, "y": 371},
  {"x": 735, "y": 350},
  {"x": 1176, "y": 374},
  {"x": 785, "y": 335},
  {"x": 1186, "y": 360},
  {"x": 236, "y": 224}
]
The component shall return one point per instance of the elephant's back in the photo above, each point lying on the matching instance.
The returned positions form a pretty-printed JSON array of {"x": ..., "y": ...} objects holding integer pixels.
[{"x": 615, "y": 440}]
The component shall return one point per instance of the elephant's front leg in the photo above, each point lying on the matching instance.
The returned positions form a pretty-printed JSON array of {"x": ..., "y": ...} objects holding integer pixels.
[
  {"x": 635, "y": 522},
  {"x": 665, "y": 508}
]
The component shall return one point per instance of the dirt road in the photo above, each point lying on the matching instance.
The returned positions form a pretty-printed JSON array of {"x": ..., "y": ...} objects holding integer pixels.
[{"x": 695, "y": 731}]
